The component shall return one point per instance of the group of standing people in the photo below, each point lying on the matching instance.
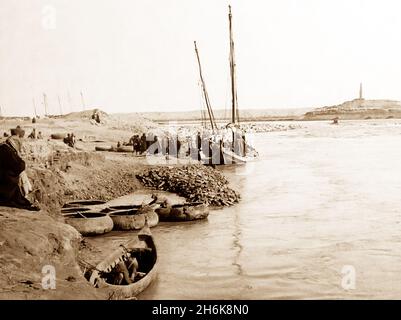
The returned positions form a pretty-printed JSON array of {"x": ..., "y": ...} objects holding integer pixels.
[
  {"x": 211, "y": 144},
  {"x": 140, "y": 144},
  {"x": 206, "y": 144},
  {"x": 152, "y": 144}
]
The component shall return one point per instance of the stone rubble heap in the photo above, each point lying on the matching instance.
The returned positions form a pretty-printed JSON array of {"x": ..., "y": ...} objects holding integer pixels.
[
  {"x": 269, "y": 127},
  {"x": 197, "y": 183}
]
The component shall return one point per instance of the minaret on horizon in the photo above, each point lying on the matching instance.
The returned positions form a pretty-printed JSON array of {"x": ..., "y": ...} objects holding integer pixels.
[{"x": 360, "y": 92}]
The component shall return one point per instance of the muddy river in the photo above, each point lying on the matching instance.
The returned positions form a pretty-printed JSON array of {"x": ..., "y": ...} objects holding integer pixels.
[{"x": 320, "y": 217}]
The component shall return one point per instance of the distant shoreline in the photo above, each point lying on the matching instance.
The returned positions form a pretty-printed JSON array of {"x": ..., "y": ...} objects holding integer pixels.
[{"x": 321, "y": 117}]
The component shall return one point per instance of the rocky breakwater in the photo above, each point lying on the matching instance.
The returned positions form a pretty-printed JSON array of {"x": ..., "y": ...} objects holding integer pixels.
[
  {"x": 197, "y": 183},
  {"x": 269, "y": 127}
]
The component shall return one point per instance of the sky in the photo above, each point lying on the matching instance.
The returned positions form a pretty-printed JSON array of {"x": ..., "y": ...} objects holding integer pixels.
[{"x": 138, "y": 55}]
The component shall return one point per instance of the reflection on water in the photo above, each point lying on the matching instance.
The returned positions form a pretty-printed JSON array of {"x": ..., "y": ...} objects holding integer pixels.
[{"x": 319, "y": 198}]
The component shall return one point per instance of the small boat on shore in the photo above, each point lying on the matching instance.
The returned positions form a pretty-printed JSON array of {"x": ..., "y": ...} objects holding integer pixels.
[
  {"x": 125, "y": 149},
  {"x": 134, "y": 219},
  {"x": 142, "y": 249},
  {"x": 90, "y": 223},
  {"x": 58, "y": 136},
  {"x": 99, "y": 148},
  {"x": 83, "y": 203},
  {"x": 183, "y": 212}
]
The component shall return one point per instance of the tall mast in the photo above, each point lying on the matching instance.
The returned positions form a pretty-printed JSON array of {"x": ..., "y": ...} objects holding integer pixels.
[
  {"x": 234, "y": 103},
  {"x": 209, "y": 108},
  {"x": 83, "y": 101},
  {"x": 34, "y": 107},
  {"x": 59, "y": 104},
  {"x": 1, "y": 111},
  {"x": 45, "y": 102},
  {"x": 69, "y": 100}
]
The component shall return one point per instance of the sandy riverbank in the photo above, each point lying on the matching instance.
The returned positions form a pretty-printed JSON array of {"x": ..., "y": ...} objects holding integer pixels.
[{"x": 29, "y": 241}]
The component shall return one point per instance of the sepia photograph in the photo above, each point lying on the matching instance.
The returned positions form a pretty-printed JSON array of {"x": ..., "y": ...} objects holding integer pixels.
[{"x": 200, "y": 150}]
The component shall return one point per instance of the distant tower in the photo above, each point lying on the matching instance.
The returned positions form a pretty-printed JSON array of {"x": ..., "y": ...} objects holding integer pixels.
[{"x": 360, "y": 92}]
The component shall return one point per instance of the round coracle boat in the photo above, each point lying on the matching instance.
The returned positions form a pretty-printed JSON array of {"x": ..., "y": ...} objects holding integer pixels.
[
  {"x": 134, "y": 219},
  {"x": 90, "y": 223},
  {"x": 183, "y": 212}
]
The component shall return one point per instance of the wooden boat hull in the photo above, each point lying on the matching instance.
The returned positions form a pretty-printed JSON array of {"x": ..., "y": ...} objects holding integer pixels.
[
  {"x": 183, "y": 212},
  {"x": 90, "y": 224},
  {"x": 127, "y": 220},
  {"x": 125, "y": 149},
  {"x": 57, "y": 136},
  {"x": 231, "y": 157},
  {"x": 98, "y": 148},
  {"x": 163, "y": 213},
  {"x": 144, "y": 240}
]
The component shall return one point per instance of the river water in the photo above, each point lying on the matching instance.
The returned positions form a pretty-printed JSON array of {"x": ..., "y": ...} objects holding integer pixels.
[{"x": 320, "y": 218}]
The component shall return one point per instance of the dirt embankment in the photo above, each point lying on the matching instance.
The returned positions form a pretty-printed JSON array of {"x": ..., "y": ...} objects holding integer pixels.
[
  {"x": 30, "y": 241},
  {"x": 30, "y": 244}
]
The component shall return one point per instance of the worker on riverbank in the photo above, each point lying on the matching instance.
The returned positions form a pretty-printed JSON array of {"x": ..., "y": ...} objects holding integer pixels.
[
  {"x": 32, "y": 135},
  {"x": 67, "y": 139},
  {"x": 199, "y": 145},
  {"x": 143, "y": 143},
  {"x": 18, "y": 131},
  {"x": 14, "y": 184},
  {"x": 70, "y": 140},
  {"x": 136, "y": 144},
  {"x": 157, "y": 145}
]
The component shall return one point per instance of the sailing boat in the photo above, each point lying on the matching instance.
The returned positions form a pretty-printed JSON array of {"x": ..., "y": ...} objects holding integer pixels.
[{"x": 237, "y": 150}]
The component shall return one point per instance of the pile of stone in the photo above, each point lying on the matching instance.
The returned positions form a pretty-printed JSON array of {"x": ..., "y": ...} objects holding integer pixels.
[{"x": 197, "y": 183}]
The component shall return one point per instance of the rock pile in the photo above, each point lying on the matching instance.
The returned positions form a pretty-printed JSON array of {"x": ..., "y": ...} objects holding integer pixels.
[
  {"x": 197, "y": 183},
  {"x": 269, "y": 127}
]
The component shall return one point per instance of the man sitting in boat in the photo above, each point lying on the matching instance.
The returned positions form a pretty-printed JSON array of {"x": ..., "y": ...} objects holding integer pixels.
[{"x": 126, "y": 271}]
